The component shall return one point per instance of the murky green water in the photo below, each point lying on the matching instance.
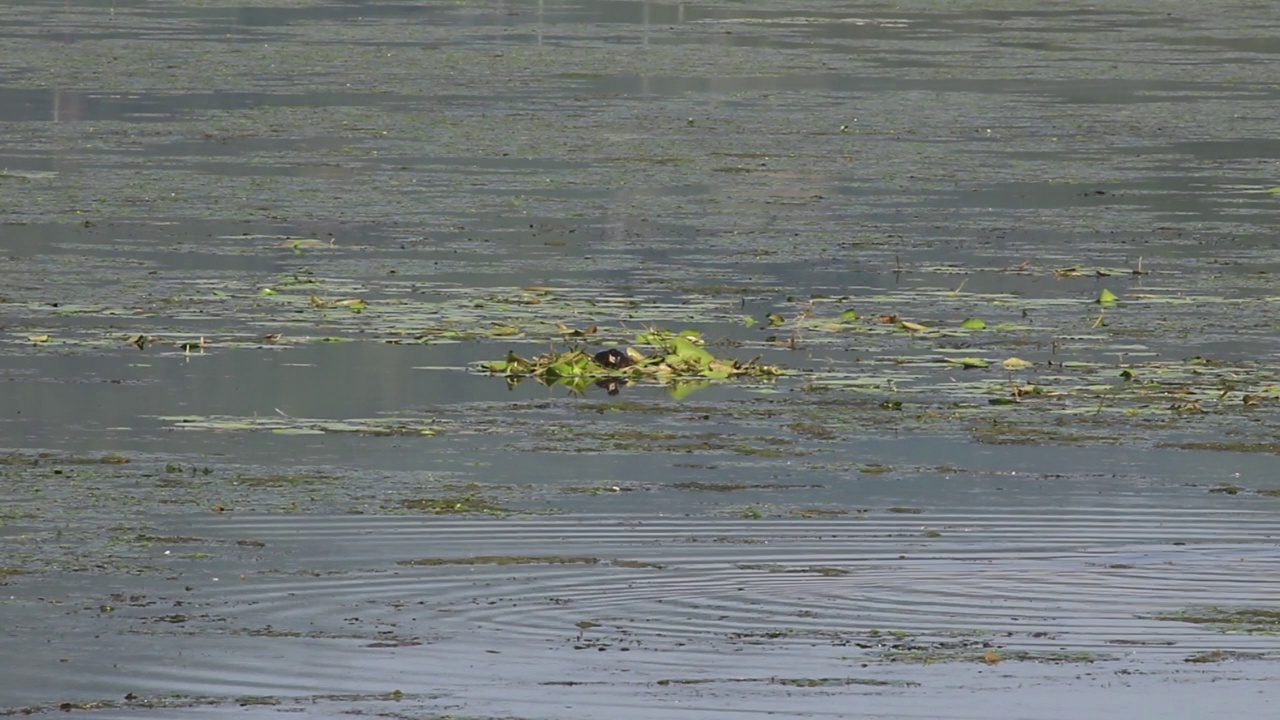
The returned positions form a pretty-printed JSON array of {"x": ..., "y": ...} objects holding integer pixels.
[{"x": 1017, "y": 260}]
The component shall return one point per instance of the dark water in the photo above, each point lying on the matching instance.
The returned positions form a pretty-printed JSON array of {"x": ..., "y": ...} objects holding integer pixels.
[{"x": 251, "y": 256}]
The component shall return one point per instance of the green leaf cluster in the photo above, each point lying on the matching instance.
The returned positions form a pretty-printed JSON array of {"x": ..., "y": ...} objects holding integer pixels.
[{"x": 671, "y": 357}]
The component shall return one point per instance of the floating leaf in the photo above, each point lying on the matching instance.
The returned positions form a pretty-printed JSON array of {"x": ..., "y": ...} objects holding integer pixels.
[
  {"x": 684, "y": 351},
  {"x": 1014, "y": 363},
  {"x": 974, "y": 324},
  {"x": 39, "y": 338},
  {"x": 573, "y": 332},
  {"x": 1106, "y": 296},
  {"x": 775, "y": 319},
  {"x": 969, "y": 362},
  {"x": 908, "y": 325},
  {"x": 356, "y": 304},
  {"x": 307, "y": 243},
  {"x": 849, "y": 315},
  {"x": 561, "y": 370}
]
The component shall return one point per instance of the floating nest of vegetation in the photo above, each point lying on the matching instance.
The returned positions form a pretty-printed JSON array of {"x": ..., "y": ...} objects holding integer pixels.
[{"x": 675, "y": 358}]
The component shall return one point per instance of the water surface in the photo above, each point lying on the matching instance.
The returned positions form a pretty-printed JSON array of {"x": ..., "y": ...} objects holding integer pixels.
[{"x": 252, "y": 257}]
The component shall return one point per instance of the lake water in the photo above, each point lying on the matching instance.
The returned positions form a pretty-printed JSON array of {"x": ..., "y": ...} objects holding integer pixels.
[{"x": 1015, "y": 262}]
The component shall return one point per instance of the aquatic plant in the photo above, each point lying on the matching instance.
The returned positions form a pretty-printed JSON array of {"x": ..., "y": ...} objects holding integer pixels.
[{"x": 672, "y": 357}]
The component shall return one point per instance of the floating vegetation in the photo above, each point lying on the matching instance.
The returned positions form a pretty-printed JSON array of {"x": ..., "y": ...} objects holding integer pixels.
[
  {"x": 1216, "y": 656},
  {"x": 637, "y": 564},
  {"x": 455, "y": 505},
  {"x": 989, "y": 656},
  {"x": 180, "y": 701},
  {"x": 972, "y": 646},
  {"x": 793, "y": 682},
  {"x": 631, "y": 439},
  {"x": 813, "y": 430},
  {"x": 939, "y": 356},
  {"x": 672, "y": 357},
  {"x": 823, "y": 570},
  {"x": 913, "y": 647},
  {"x": 818, "y": 512},
  {"x": 1227, "y": 446},
  {"x": 529, "y": 560},
  {"x": 20, "y": 458},
  {"x": 1251, "y": 621},
  {"x": 733, "y": 486},
  {"x": 875, "y": 469},
  {"x": 285, "y": 425}
]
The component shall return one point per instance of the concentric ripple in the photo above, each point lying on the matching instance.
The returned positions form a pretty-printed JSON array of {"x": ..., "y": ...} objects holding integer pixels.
[
  {"x": 672, "y": 612},
  {"x": 1074, "y": 581}
]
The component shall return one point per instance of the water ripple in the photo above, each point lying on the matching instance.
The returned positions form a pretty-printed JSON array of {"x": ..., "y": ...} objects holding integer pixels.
[{"x": 1078, "y": 581}]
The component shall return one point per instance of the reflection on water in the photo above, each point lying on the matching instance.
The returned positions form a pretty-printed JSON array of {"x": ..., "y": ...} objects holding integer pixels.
[{"x": 255, "y": 250}]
